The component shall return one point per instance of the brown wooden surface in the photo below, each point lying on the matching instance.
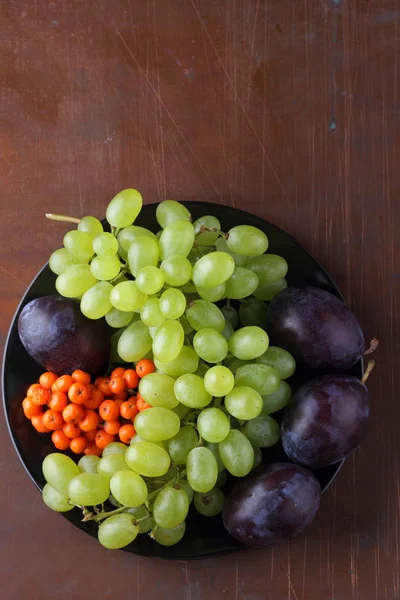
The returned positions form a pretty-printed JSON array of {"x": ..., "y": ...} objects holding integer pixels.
[{"x": 287, "y": 108}]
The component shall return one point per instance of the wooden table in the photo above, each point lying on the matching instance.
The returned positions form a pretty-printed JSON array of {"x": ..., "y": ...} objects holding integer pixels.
[{"x": 288, "y": 109}]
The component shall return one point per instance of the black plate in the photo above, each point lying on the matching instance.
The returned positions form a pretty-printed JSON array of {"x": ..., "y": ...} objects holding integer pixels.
[{"x": 204, "y": 537}]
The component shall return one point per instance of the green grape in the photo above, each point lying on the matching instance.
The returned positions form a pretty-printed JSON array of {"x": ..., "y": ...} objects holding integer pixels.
[
  {"x": 146, "y": 520},
  {"x": 236, "y": 363},
  {"x": 241, "y": 283},
  {"x": 243, "y": 403},
  {"x": 187, "y": 328},
  {"x": 221, "y": 246},
  {"x": 227, "y": 331},
  {"x": 157, "y": 424},
  {"x": 184, "y": 485},
  {"x": 149, "y": 280},
  {"x": 171, "y": 507},
  {"x": 127, "y": 235},
  {"x": 231, "y": 315},
  {"x": 214, "y": 449},
  {"x": 126, "y": 297},
  {"x": 169, "y": 537},
  {"x": 124, "y": 208},
  {"x": 257, "y": 457},
  {"x": 210, "y": 345},
  {"x": 111, "y": 464},
  {"x": 90, "y": 225},
  {"x": 222, "y": 476},
  {"x": 268, "y": 291},
  {"x": 212, "y": 294},
  {"x": 181, "y": 444},
  {"x": 61, "y": 259},
  {"x": 176, "y": 239},
  {"x": 151, "y": 314},
  {"x": 219, "y": 381},
  {"x": 168, "y": 340},
  {"x": 177, "y": 270},
  {"x": 58, "y": 470},
  {"x": 209, "y": 504},
  {"x": 105, "y": 267},
  {"x": 75, "y": 281},
  {"x": 137, "y": 438},
  {"x": 247, "y": 240},
  {"x": 169, "y": 211},
  {"x": 280, "y": 359},
  {"x": 143, "y": 252},
  {"x": 201, "y": 469},
  {"x": 268, "y": 267},
  {"x": 202, "y": 369},
  {"x": 253, "y": 312},
  {"x": 172, "y": 303},
  {"x": 278, "y": 400},
  {"x": 248, "y": 343},
  {"x": 117, "y": 531},
  {"x": 213, "y": 425},
  {"x": 202, "y": 314},
  {"x": 213, "y": 269},
  {"x": 88, "y": 489},
  {"x": 95, "y": 302},
  {"x": 147, "y": 459},
  {"x": 207, "y": 238},
  {"x": 190, "y": 391},
  {"x": 262, "y": 378},
  {"x": 114, "y": 340},
  {"x": 263, "y": 431},
  {"x": 181, "y": 410},
  {"x": 55, "y": 500},
  {"x": 135, "y": 342},
  {"x": 105, "y": 243},
  {"x": 115, "y": 448},
  {"x": 118, "y": 318},
  {"x": 158, "y": 390},
  {"x": 237, "y": 453},
  {"x": 88, "y": 463},
  {"x": 127, "y": 487},
  {"x": 186, "y": 362},
  {"x": 79, "y": 244}
]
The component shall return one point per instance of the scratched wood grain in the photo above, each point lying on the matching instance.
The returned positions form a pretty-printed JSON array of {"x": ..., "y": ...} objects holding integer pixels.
[{"x": 287, "y": 109}]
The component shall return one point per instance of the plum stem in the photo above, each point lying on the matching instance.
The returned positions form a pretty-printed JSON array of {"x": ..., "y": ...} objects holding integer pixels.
[
  {"x": 368, "y": 371},
  {"x": 374, "y": 343},
  {"x": 64, "y": 218}
]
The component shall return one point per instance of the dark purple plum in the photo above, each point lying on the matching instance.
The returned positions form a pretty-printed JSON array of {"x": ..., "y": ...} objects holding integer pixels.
[
  {"x": 60, "y": 338},
  {"x": 316, "y": 327},
  {"x": 272, "y": 505},
  {"x": 325, "y": 420}
]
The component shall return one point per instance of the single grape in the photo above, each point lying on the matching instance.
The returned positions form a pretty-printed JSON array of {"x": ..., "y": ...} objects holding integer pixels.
[
  {"x": 115, "y": 448},
  {"x": 202, "y": 314},
  {"x": 105, "y": 267},
  {"x": 126, "y": 297},
  {"x": 280, "y": 359},
  {"x": 243, "y": 403},
  {"x": 212, "y": 294},
  {"x": 213, "y": 269},
  {"x": 190, "y": 391},
  {"x": 176, "y": 239},
  {"x": 88, "y": 489},
  {"x": 105, "y": 243},
  {"x": 169, "y": 537},
  {"x": 88, "y": 463},
  {"x": 117, "y": 531},
  {"x": 278, "y": 400},
  {"x": 79, "y": 244},
  {"x": 201, "y": 469},
  {"x": 181, "y": 444},
  {"x": 149, "y": 280},
  {"x": 184, "y": 485},
  {"x": 231, "y": 315},
  {"x": 124, "y": 208},
  {"x": 213, "y": 425},
  {"x": 172, "y": 303},
  {"x": 128, "y": 488},
  {"x": 146, "y": 520},
  {"x": 242, "y": 283},
  {"x": 158, "y": 390},
  {"x": 247, "y": 240},
  {"x": 95, "y": 302},
  {"x": 157, "y": 424},
  {"x": 268, "y": 291},
  {"x": 253, "y": 312},
  {"x": 234, "y": 364},
  {"x": 248, "y": 343},
  {"x": 170, "y": 507},
  {"x": 168, "y": 340},
  {"x": 143, "y": 252},
  {"x": 169, "y": 211},
  {"x": 201, "y": 225},
  {"x": 151, "y": 314},
  {"x": 227, "y": 331},
  {"x": 111, "y": 464},
  {"x": 257, "y": 457},
  {"x": 58, "y": 470},
  {"x": 127, "y": 235},
  {"x": 268, "y": 267},
  {"x": 263, "y": 431},
  {"x": 55, "y": 500},
  {"x": 209, "y": 504},
  {"x": 221, "y": 246},
  {"x": 237, "y": 453},
  {"x": 177, "y": 270},
  {"x": 219, "y": 381},
  {"x": 262, "y": 378},
  {"x": 118, "y": 318},
  {"x": 137, "y": 438},
  {"x": 186, "y": 362},
  {"x": 210, "y": 345},
  {"x": 135, "y": 342},
  {"x": 75, "y": 281},
  {"x": 90, "y": 225},
  {"x": 147, "y": 459},
  {"x": 61, "y": 259}
]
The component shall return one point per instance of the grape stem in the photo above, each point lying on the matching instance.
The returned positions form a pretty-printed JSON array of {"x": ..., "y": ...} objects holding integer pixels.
[
  {"x": 368, "y": 371},
  {"x": 64, "y": 218},
  {"x": 374, "y": 343},
  {"x": 103, "y": 515}
]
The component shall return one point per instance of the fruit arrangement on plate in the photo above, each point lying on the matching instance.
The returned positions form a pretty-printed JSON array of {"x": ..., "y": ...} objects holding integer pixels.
[{"x": 166, "y": 353}]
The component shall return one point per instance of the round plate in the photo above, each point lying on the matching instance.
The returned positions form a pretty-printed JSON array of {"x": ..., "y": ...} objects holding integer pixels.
[{"x": 204, "y": 536}]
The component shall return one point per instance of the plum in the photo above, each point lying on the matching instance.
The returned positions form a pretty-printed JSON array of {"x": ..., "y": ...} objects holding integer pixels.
[
  {"x": 316, "y": 327},
  {"x": 272, "y": 505},
  {"x": 60, "y": 338},
  {"x": 325, "y": 420}
]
